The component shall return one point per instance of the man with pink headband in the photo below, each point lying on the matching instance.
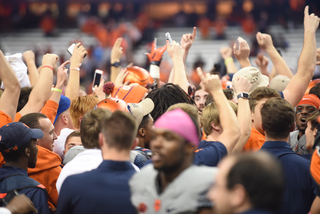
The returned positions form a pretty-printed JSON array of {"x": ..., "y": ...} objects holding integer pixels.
[{"x": 172, "y": 183}]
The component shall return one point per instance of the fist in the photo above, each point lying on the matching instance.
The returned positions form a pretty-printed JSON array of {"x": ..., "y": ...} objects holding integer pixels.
[
  {"x": 174, "y": 50},
  {"x": 264, "y": 40},
  {"x": 28, "y": 56},
  {"x": 241, "y": 85},
  {"x": 50, "y": 59},
  {"x": 226, "y": 52},
  {"x": 209, "y": 83}
]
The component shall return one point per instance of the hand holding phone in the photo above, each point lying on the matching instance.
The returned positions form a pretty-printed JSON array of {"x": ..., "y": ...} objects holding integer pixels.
[
  {"x": 97, "y": 78},
  {"x": 168, "y": 37},
  {"x": 71, "y": 48}
]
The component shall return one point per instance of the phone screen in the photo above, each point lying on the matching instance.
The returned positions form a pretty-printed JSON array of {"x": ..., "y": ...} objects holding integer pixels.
[
  {"x": 70, "y": 49},
  {"x": 97, "y": 78}
]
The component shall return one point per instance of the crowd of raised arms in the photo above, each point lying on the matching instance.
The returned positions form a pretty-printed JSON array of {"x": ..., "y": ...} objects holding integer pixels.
[{"x": 244, "y": 143}]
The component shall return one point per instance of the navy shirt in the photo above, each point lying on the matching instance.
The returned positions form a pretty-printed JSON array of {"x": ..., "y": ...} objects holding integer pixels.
[
  {"x": 102, "y": 190},
  {"x": 256, "y": 212},
  {"x": 300, "y": 189},
  {"x": 209, "y": 153},
  {"x": 37, "y": 195}
]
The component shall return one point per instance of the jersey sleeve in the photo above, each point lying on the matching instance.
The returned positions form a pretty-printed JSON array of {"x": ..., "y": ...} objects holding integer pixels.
[
  {"x": 50, "y": 110},
  {"x": 211, "y": 154}
]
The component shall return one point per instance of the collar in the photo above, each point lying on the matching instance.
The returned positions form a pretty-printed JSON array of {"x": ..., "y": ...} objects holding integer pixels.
[
  {"x": 254, "y": 211},
  {"x": 276, "y": 144},
  {"x": 14, "y": 170},
  {"x": 116, "y": 165}
]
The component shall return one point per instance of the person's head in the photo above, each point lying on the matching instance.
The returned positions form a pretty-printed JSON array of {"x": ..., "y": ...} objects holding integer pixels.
[
  {"x": 305, "y": 108},
  {"x": 165, "y": 97},
  {"x": 277, "y": 118},
  {"x": 145, "y": 131},
  {"x": 90, "y": 127},
  {"x": 41, "y": 121},
  {"x": 257, "y": 98},
  {"x": 118, "y": 132},
  {"x": 175, "y": 140},
  {"x": 63, "y": 118},
  {"x": 18, "y": 144},
  {"x": 73, "y": 139},
  {"x": 210, "y": 120},
  {"x": 200, "y": 98},
  {"x": 312, "y": 129},
  {"x": 79, "y": 106},
  {"x": 24, "y": 97},
  {"x": 228, "y": 92},
  {"x": 248, "y": 181}
]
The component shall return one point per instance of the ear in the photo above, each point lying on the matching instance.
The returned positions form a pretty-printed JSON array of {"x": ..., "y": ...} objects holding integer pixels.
[
  {"x": 239, "y": 196},
  {"x": 64, "y": 119},
  {"x": 135, "y": 143},
  {"x": 314, "y": 132},
  {"x": 101, "y": 140},
  {"x": 27, "y": 152},
  {"x": 215, "y": 127},
  {"x": 142, "y": 132},
  {"x": 64, "y": 152},
  {"x": 80, "y": 118},
  {"x": 252, "y": 118}
]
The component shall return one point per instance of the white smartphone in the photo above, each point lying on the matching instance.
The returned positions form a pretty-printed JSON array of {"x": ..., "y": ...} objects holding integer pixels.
[
  {"x": 168, "y": 37},
  {"x": 70, "y": 49},
  {"x": 97, "y": 78}
]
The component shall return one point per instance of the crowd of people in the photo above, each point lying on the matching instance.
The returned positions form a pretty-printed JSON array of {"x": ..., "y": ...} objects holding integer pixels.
[{"x": 247, "y": 142}]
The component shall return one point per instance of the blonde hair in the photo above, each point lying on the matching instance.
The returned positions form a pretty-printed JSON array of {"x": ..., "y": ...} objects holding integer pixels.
[
  {"x": 79, "y": 106},
  {"x": 211, "y": 114},
  {"x": 191, "y": 110}
]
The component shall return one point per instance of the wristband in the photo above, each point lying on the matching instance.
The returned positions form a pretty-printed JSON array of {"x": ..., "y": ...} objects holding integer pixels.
[
  {"x": 157, "y": 63},
  {"x": 75, "y": 68},
  {"x": 154, "y": 71},
  {"x": 243, "y": 95},
  {"x": 47, "y": 66},
  {"x": 57, "y": 90},
  {"x": 228, "y": 60},
  {"x": 116, "y": 64}
]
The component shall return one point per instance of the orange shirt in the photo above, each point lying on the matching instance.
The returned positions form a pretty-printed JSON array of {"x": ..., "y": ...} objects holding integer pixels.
[
  {"x": 255, "y": 141},
  {"x": 4, "y": 119},
  {"x": 315, "y": 166}
]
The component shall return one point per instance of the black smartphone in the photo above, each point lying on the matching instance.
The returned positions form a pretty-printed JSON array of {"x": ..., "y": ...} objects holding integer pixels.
[{"x": 97, "y": 78}]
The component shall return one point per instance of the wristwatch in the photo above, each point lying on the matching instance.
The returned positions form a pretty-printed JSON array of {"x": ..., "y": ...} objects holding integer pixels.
[
  {"x": 116, "y": 64},
  {"x": 243, "y": 95}
]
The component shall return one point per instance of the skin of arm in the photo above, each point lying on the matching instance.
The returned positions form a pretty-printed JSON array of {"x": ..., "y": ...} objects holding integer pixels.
[
  {"x": 32, "y": 68},
  {"x": 315, "y": 208},
  {"x": 242, "y": 85},
  {"x": 231, "y": 133},
  {"x": 265, "y": 42},
  {"x": 42, "y": 90},
  {"x": 10, "y": 97},
  {"x": 307, "y": 61},
  {"x": 73, "y": 86},
  {"x": 62, "y": 77},
  {"x": 116, "y": 54}
]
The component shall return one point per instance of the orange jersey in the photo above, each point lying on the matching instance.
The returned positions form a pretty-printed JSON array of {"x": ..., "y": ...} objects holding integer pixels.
[
  {"x": 255, "y": 141},
  {"x": 4, "y": 119}
]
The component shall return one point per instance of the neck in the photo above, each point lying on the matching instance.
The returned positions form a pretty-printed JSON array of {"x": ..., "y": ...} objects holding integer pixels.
[
  {"x": 57, "y": 128},
  {"x": 301, "y": 134},
  {"x": 279, "y": 139},
  {"x": 141, "y": 142},
  {"x": 18, "y": 164},
  {"x": 213, "y": 136},
  {"x": 243, "y": 208},
  {"x": 167, "y": 177},
  {"x": 115, "y": 155}
]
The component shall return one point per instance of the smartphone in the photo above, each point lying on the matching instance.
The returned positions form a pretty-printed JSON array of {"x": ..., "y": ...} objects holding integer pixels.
[
  {"x": 97, "y": 78},
  {"x": 168, "y": 37},
  {"x": 70, "y": 49},
  {"x": 10, "y": 195}
]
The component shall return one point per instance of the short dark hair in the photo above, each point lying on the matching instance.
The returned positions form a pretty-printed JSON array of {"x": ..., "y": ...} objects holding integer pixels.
[
  {"x": 261, "y": 93},
  {"x": 165, "y": 97},
  {"x": 24, "y": 97},
  {"x": 277, "y": 118},
  {"x": 315, "y": 90},
  {"x": 119, "y": 130},
  {"x": 15, "y": 155},
  {"x": 72, "y": 134},
  {"x": 90, "y": 127},
  {"x": 262, "y": 177},
  {"x": 32, "y": 120},
  {"x": 144, "y": 121}
]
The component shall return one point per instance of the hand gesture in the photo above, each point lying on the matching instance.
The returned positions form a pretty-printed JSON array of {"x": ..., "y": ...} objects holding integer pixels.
[
  {"x": 209, "y": 83},
  {"x": 244, "y": 50},
  {"x": 188, "y": 39},
  {"x": 311, "y": 22},
  {"x": 21, "y": 204},
  {"x": 50, "y": 59},
  {"x": 116, "y": 51},
  {"x": 264, "y": 40},
  {"x": 62, "y": 75},
  {"x": 241, "y": 85},
  {"x": 262, "y": 62},
  {"x": 226, "y": 52},
  {"x": 156, "y": 53},
  {"x": 174, "y": 50},
  {"x": 120, "y": 78},
  {"x": 78, "y": 54},
  {"x": 98, "y": 90},
  {"x": 28, "y": 56}
]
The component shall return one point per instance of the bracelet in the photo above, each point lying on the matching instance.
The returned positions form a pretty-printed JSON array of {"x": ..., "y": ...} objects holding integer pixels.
[
  {"x": 57, "y": 90},
  {"x": 116, "y": 64},
  {"x": 228, "y": 60},
  {"x": 75, "y": 68},
  {"x": 47, "y": 66}
]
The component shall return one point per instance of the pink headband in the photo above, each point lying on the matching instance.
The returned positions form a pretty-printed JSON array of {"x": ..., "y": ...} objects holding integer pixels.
[{"x": 179, "y": 122}]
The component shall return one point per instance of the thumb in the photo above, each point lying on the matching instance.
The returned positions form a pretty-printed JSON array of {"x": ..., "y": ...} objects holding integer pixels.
[{"x": 234, "y": 48}]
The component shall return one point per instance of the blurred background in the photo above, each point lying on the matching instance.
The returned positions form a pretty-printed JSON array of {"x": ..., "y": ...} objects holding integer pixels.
[{"x": 51, "y": 26}]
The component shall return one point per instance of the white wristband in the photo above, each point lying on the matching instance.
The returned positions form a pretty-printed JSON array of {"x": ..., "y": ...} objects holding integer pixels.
[{"x": 155, "y": 71}]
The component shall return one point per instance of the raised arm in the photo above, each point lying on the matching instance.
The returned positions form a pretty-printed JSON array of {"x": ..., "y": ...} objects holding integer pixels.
[
  {"x": 265, "y": 42},
  {"x": 242, "y": 54},
  {"x": 226, "y": 54},
  {"x": 307, "y": 61},
  {"x": 32, "y": 68},
  {"x": 176, "y": 53},
  {"x": 10, "y": 96},
  {"x": 73, "y": 86},
  {"x": 116, "y": 54},
  {"x": 242, "y": 85},
  {"x": 42, "y": 90},
  {"x": 228, "y": 120}
]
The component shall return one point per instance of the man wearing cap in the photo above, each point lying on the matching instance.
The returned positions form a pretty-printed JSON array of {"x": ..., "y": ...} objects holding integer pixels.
[
  {"x": 305, "y": 108},
  {"x": 105, "y": 189},
  {"x": 172, "y": 183},
  {"x": 18, "y": 145}
]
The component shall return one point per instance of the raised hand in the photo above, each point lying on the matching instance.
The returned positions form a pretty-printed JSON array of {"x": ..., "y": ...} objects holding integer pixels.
[
  {"x": 50, "y": 59},
  {"x": 242, "y": 84},
  {"x": 116, "y": 51},
  {"x": 62, "y": 75},
  {"x": 209, "y": 83},
  {"x": 120, "y": 78},
  {"x": 226, "y": 52},
  {"x": 78, "y": 54},
  {"x": 29, "y": 56},
  {"x": 188, "y": 39},
  {"x": 262, "y": 62},
  {"x": 156, "y": 53},
  {"x": 264, "y": 40},
  {"x": 311, "y": 22},
  {"x": 242, "y": 54},
  {"x": 174, "y": 50}
]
